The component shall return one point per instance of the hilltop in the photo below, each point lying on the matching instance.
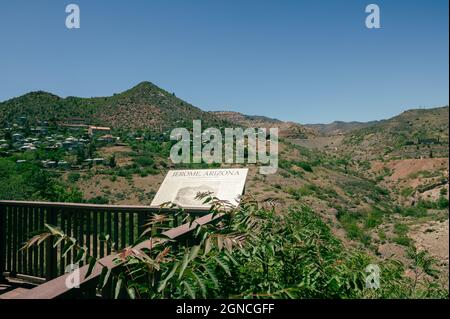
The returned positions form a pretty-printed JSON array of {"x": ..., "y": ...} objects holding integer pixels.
[{"x": 145, "y": 106}]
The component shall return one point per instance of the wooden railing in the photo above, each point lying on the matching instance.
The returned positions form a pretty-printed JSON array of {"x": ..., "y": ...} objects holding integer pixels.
[
  {"x": 20, "y": 220},
  {"x": 57, "y": 288}
]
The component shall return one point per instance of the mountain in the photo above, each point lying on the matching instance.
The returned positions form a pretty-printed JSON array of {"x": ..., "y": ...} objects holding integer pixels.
[
  {"x": 412, "y": 134},
  {"x": 340, "y": 127},
  {"x": 286, "y": 129},
  {"x": 144, "y": 106}
]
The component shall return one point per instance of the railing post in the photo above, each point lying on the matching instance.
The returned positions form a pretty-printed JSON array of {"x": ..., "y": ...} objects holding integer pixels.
[
  {"x": 51, "y": 261},
  {"x": 2, "y": 241}
]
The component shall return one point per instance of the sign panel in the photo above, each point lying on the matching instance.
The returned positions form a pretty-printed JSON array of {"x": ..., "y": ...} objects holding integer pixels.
[{"x": 182, "y": 186}]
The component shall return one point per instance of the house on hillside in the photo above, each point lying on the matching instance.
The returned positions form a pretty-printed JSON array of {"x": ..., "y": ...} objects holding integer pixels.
[
  {"x": 98, "y": 160},
  {"x": 107, "y": 138},
  {"x": 27, "y": 147},
  {"x": 17, "y": 137},
  {"x": 39, "y": 130},
  {"x": 63, "y": 165},
  {"x": 93, "y": 130},
  {"x": 49, "y": 164},
  {"x": 71, "y": 143},
  {"x": 42, "y": 123},
  {"x": 94, "y": 161}
]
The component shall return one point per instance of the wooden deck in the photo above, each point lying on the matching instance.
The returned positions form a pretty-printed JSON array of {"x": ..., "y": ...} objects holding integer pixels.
[{"x": 11, "y": 288}]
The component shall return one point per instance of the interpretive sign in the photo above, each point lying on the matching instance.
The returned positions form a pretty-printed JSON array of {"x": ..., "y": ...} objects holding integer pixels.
[{"x": 182, "y": 186}]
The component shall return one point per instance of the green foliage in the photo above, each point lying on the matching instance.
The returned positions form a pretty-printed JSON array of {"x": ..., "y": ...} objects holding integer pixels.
[
  {"x": 413, "y": 211},
  {"x": 352, "y": 224},
  {"x": 363, "y": 188},
  {"x": 308, "y": 189},
  {"x": 73, "y": 177},
  {"x": 401, "y": 231},
  {"x": 373, "y": 218},
  {"x": 303, "y": 191},
  {"x": 441, "y": 203},
  {"x": 306, "y": 167},
  {"x": 407, "y": 192},
  {"x": 296, "y": 257},
  {"x": 27, "y": 181},
  {"x": 144, "y": 161},
  {"x": 382, "y": 235},
  {"x": 112, "y": 161},
  {"x": 251, "y": 253},
  {"x": 98, "y": 200}
]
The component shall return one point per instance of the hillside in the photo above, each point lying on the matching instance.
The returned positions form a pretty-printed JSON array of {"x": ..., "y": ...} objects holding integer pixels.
[
  {"x": 340, "y": 127},
  {"x": 144, "y": 106},
  {"x": 286, "y": 129},
  {"x": 419, "y": 133}
]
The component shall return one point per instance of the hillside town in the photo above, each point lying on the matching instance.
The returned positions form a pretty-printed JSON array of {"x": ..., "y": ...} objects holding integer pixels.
[{"x": 72, "y": 136}]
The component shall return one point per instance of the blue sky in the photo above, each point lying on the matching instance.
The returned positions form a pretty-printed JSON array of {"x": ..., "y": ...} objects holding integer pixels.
[{"x": 304, "y": 61}]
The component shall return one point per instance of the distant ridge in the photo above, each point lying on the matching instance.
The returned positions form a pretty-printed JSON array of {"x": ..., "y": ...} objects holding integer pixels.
[
  {"x": 286, "y": 129},
  {"x": 340, "y": 127}
]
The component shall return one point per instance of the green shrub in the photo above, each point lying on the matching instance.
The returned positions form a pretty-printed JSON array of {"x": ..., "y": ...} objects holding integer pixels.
[
  {"x": 402, "y": 240},
  {"x": 442, "y": 203},
  {"x": 307, "y": 190},
  {"x": 413, "y": 211},
  {"x": 73, "y": 177},
  {"x": 144, "y": 161},
  {"x": 373, "y": 219},
  {"x": 98, "y": 200},
  {"x": 255, "y": 253},
  {"x": 401, "y": 230},
  {"x": 382, "y": 235},
  {"x": 351, "y": 224},
  {"x": 407, "y": 192},
  {"x": 306, "y": 167}
]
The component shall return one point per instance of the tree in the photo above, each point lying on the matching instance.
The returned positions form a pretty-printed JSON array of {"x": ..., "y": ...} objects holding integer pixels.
[
  {"x": 80, "y": 155},
  {"x": 112, "y": 161}
]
